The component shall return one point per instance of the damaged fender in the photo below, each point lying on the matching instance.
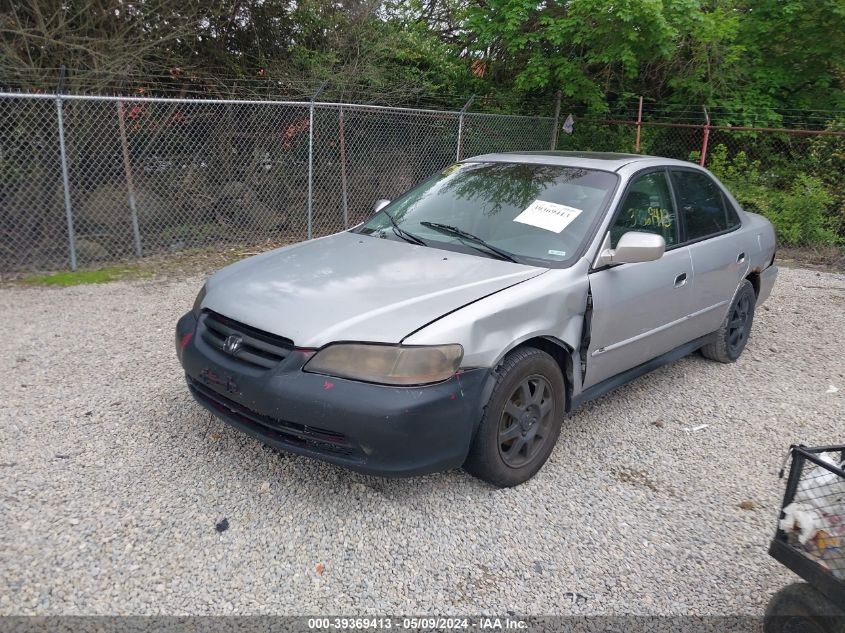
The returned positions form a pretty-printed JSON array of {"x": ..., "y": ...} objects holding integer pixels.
[{"x": 551, "y": 306}]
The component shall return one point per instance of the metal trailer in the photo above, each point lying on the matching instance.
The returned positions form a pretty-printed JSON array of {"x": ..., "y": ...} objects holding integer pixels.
[{"x": 817, "y": 605}]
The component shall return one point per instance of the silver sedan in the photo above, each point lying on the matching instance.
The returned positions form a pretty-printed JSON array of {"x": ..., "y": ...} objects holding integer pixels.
[{"x": 462, "y": 321}]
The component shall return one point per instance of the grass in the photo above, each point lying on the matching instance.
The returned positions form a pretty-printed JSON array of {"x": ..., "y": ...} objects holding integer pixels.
[
  {"x": 99, "y": 276},
  {"x": 188, "y": 263}
]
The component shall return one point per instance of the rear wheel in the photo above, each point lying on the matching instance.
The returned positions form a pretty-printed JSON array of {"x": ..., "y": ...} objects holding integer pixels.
[
  {"x": 799, "y": 608},
  {"x": 733, "y": 334},
  {"x": 522, "y": 420}
]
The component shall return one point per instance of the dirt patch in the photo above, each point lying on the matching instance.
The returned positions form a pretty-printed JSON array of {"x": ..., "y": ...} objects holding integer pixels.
[
  {"x": 635, "y": 477},
  {"x": 826, "y": 258}
]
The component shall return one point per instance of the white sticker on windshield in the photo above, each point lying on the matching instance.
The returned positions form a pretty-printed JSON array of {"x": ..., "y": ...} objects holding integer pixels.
[{"x": 548, "y": 215}]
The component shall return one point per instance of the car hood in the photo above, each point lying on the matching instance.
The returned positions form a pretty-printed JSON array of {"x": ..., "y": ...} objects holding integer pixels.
[{"x": 351, "y": 287}]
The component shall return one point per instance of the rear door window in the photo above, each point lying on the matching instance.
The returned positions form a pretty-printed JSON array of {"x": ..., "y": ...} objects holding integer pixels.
[{"x": 702, "y": 205}]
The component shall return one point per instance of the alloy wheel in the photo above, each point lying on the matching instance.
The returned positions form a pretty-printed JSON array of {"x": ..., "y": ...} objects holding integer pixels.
[
  {"x": 738, "y": 326},
  {"x": 526, "y": 421}
]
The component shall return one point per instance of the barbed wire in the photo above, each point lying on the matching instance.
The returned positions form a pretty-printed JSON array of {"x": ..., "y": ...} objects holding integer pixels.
[
  {"x": 185, "y": 83},
  {"x": 196, "y": 83}
]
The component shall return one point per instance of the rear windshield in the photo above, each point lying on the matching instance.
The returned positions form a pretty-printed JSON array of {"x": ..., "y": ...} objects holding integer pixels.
[{"x": 540, "y": 214}]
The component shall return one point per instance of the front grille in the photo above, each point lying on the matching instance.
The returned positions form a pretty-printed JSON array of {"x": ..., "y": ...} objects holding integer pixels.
[
  {"x": 288, "y": 433},
  {"x": 257, "y": 348}
]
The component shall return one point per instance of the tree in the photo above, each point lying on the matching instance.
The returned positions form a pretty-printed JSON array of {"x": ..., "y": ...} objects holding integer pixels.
[
  {"x": 591, "y": 49},
  {"x": 102, "y": 39},
  {"x": 744, "y": 55}
]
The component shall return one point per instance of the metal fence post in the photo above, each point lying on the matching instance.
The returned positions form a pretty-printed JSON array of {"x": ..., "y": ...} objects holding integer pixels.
[
  {"x": 311, "y": 160},
  {"x": 706, "y": 139},
  {"x": 71, "y": 234},
  {"x": 130, "y": 186},
  {"x": 344, "y": 201},
  {"x": 461, "y": 127},
  {"x": 639, "y": 125},
  {"x": 556, "y": 123}
]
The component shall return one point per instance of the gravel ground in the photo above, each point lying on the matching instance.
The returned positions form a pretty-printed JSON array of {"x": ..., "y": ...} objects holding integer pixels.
[{"x": 112, "y": 482}]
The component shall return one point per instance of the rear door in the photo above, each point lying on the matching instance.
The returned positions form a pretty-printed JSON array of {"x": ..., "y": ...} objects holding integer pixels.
[
  {"x": 640, "y": 310},
  {"x": 708, "y": 225}
]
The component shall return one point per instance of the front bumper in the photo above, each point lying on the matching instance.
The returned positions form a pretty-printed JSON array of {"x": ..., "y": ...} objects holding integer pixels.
[{"x": 376, "y": 429}]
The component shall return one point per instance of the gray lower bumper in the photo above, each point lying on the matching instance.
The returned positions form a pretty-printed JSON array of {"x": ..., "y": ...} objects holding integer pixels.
[{"x": 767, "y": 282}]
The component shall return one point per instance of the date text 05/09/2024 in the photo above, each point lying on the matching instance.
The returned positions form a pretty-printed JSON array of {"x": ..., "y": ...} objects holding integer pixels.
[{"x": 412, "y": 623}]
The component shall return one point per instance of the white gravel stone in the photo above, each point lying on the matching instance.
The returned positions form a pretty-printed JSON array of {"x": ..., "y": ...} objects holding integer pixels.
[{"x": 112, "y": 481}]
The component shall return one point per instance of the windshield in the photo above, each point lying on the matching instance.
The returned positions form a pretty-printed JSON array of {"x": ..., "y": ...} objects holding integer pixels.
[{"x": 530, "y": 211}]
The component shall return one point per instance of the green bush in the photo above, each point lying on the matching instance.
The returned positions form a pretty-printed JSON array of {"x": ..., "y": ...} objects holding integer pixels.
[
  {"x": 800, "y": 215},
  {"x": 799, "y": 205},
  {"x": 827, "y": 157}
]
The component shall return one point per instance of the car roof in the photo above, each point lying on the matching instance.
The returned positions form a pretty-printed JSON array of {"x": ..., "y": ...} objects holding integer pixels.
[{"x": 608, "y": 161}]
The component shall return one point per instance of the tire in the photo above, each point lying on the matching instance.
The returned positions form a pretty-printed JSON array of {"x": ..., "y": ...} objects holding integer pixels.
[
  {"x": 733, "y": 334},
  {"x": 522, "y": 419},
  {"x": 799, "y": 608}
]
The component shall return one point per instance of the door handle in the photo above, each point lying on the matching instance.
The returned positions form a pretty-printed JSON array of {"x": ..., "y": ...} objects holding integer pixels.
[
  {"x": 740, "y": 258},
  {"x": 680, "y": 280}
]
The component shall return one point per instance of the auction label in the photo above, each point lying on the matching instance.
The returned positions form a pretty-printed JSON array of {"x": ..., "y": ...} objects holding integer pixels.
[
  {"x": 424, "y": 623},
  {"x": 548, "y": 215}
]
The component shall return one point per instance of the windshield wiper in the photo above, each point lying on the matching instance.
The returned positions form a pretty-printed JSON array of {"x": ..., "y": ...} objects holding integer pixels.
[
  {"x": 400, "y": 232},
  {"x": 453, "y": 230}
]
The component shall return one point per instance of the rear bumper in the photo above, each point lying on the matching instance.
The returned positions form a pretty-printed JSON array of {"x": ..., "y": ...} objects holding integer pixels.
[
  {"x": 767, "y": 282},
  {"x": 375, "y": 429}
]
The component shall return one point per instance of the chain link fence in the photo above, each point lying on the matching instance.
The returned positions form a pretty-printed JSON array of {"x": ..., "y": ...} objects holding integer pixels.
[
  {"x": 85, "y": 180},
  {"x": 794, "y": 176}
]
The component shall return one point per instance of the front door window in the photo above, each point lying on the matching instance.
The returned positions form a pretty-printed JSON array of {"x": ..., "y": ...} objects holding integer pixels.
[{"x": 647, "y": 207}]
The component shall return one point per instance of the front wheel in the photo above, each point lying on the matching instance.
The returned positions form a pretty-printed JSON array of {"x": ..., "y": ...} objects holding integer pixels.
[{"x": 521, "y": 421}]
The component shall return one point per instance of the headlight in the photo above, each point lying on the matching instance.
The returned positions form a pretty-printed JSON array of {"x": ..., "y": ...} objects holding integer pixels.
[
  {"x": 388, "y": 364},
  {"x": 198, "y": 301}
]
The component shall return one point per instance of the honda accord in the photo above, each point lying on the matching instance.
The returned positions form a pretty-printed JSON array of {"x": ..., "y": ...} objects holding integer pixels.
[{"x": 462, "y": 321}]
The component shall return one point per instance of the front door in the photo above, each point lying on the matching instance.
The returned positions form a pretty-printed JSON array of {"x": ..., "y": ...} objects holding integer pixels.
[{"x": 640, "y": 310}]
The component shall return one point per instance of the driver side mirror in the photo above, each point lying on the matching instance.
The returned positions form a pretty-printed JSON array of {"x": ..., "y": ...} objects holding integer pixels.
[
  {"x": 634, "y": 247},
  {"x": 379, "y": 205}
]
